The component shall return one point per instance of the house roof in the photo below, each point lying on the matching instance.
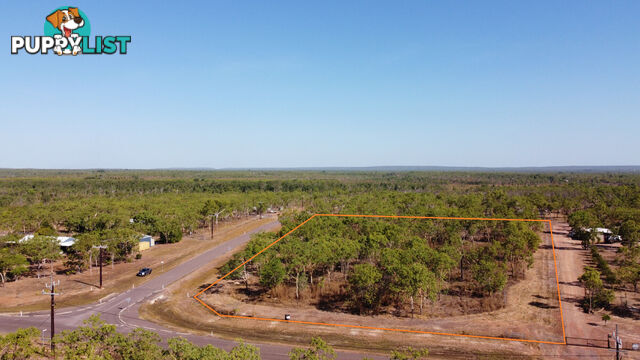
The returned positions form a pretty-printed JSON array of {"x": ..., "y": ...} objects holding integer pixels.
[
  {"x": 64, "y": 241},
  {"x": 146, "y": 238},
  {"x": 600, "y": 230}
]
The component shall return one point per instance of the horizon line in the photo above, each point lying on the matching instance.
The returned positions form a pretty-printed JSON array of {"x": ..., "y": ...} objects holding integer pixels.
[{"x": 398, "y": 168}]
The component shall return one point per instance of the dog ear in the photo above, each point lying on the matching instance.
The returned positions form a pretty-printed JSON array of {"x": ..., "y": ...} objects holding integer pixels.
[
  {"x": 75, "y": 12},
  {"x": 55, "y": 18}
]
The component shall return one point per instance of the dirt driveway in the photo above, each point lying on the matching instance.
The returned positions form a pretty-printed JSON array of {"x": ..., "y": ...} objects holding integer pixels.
[{"x": 580, "y": 327}]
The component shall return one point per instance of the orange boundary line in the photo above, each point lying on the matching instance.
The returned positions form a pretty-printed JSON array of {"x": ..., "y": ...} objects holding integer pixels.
[{"x": 564, "y": 338}]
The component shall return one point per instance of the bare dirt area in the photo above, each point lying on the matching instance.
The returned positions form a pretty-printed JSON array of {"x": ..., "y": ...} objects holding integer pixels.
[
  {"x": 330, "y": 298},
  {"x": 82, "y": 288},
  {"x": 531, "y": 311}
]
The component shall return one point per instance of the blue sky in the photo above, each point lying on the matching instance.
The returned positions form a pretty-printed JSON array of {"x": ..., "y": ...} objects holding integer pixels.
[{"x": 328, "y": 83}]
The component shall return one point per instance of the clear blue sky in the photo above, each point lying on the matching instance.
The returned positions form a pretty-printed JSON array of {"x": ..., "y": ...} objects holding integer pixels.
[{"x": 328, "y": 83}]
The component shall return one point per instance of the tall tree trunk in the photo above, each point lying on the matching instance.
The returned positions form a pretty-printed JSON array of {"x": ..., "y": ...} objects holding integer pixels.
[
  {"x": 246, "y": 278},
  {"x": 412, "y": 306},
  {"x": 346, "y": 272}
]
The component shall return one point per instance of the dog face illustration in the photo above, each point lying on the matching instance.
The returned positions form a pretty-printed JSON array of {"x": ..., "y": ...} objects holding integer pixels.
[{"x": 66, "y": 20}]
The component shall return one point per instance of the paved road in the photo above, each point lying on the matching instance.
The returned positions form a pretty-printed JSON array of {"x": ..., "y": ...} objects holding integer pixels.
[{"x": 122, "y": 309}]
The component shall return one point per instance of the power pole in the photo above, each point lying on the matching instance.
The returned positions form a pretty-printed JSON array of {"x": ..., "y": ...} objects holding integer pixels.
[
  {"x": 618, "y": 342},
  {"x": 52, "y": 287},
  {"x": 216, "y": 217},
  {"x": 211, "y": 225},
  {"x": 100, "y": 247}
]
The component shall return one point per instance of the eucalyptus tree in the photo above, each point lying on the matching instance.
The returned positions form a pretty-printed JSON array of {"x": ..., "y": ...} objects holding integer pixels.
[
  {"x": 364, "y": 283},
  {"x": 40, "y": 249},
  {"x": 11, "y": 264},
  {"x": 592, "y": 283},
  {"x": 630, "y": 233}
]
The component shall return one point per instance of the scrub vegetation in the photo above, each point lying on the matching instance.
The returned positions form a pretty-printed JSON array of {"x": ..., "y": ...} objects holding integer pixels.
[
  {"x": 377, "y": 262},
  {"x": 99, "y": 340},
  {"x": 368, "y": 265}
]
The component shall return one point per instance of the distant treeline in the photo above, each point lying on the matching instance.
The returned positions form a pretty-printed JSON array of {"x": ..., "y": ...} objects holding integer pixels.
[{"x": 29, "y": 198}]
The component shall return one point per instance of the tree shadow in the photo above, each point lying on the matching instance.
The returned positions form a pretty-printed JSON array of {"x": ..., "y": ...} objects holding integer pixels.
[
  {"x": 333, "y": 303},
  {"x": 85, "y": 283},
  {"x": 573, "y": 300},
  {"x": 542, "y": 305},
  {"x": 253, "y": 293},
  {"x": 204, "y": 286},
  {"x": 547, "y": 246},
  {"x": 626, "y": 311},
  {"x": 608, "y": 247},
  {"x": 572, "y": 283}
]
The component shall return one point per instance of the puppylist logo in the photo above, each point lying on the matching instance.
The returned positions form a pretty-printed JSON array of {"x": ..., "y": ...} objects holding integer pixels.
[{"x": 66, "y": 32}]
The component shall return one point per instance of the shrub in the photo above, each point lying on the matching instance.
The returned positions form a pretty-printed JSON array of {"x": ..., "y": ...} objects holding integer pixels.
[
  {"x": 409, "y": 354},
  {"x": 230, "y": 265},
  {"x": 603, "y": 298},
  {"x": 603, "y": 266}
]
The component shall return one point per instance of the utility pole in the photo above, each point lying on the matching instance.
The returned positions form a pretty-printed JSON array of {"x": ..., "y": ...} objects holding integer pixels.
[
  {"x": 618, "y": 342},
  {"x": 52, "y": 292},
  {"x": 216, "y": 216},
  {"x": 100, "y": 247},
  {"x": 211, "y": 226}
]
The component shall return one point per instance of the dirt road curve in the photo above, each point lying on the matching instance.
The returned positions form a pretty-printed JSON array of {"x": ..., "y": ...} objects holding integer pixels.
[{"x": 122, "y": 309}]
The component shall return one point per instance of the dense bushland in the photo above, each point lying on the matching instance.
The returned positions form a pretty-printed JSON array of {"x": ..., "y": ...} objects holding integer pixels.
[
  {"x": 111, "y": 207},
  {"x": 390, "y": 262}
]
